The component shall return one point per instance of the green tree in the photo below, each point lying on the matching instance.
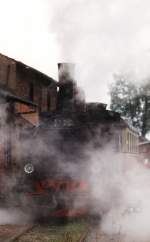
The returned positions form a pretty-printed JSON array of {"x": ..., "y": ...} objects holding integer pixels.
[
  {"x": 145, "y": 107},
  {"x": 132, "y": 102}
]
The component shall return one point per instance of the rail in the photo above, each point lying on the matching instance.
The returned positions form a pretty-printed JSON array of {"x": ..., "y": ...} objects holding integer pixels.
[{"x": 10, "y": 233}]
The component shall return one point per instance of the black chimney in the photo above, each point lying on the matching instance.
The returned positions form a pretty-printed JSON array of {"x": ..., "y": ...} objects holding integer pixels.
[{"x": 67, "y": 86}]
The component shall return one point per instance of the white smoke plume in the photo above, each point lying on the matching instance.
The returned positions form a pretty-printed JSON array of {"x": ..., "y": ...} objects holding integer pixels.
[
  {"x": 105, "y": 37},
  {"x": 13, "y": 216},
  {"x": 119, "y": 194},
  {"x": 102, "y": 37},
  {"x": 119, "y": 188}
]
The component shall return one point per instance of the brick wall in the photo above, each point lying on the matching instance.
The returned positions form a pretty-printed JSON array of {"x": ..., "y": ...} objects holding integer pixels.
[
  {"x": 22, "y": 85},
  {"x": 31, "y": 86},
  {"x": 27, "y": 83},
  {"x": 7, "y": 72},
  {"x": 53, "y": 98}
]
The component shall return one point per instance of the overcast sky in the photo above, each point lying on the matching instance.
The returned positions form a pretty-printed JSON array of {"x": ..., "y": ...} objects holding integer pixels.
[{"x": 102, "y": 36}]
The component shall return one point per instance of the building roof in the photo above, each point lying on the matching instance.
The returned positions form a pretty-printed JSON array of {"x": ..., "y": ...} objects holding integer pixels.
[
  {"x": 10, "y": 97},
  {"x": 48, "y": 79},
  {"x": 127, "y": 124},
  {"x": 96, "y": 105},
  {"x": 143, "y": 140},
  {"x": 144, "y": 143}
]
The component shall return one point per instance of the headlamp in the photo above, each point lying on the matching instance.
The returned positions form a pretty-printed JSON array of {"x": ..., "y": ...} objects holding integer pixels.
[{"x": 29, "y": 168}]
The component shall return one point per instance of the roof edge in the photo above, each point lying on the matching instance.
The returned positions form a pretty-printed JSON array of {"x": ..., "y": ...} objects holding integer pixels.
[{"x": 32, "y": 68}]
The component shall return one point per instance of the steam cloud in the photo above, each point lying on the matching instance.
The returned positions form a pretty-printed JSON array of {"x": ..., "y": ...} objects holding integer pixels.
[
  {"x": 103, "y": 38},
  {"x": 119, "y": 187},
  {"x": 13, "y": 216}
]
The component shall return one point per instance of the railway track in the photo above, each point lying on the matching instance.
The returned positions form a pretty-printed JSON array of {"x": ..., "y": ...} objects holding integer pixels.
[
  {"x": 69, "y": 232},
  {"x": 10, "y": 233},
  {"x": 94, "y": 234},
  {"x": 51, "y": 233}
]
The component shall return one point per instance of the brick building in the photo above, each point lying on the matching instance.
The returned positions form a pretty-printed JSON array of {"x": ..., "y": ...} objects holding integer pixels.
[
  {"x": 12, "y": 127},
  {"x": 25, "y": 93},
  {"x": 28, "y": 83}
]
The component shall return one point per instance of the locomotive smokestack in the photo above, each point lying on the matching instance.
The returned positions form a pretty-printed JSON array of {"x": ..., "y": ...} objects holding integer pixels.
[
  {"x": 70, "y": 97},
  {"x": 66, "y": 72},
  {"x": 67, "y": 86}
]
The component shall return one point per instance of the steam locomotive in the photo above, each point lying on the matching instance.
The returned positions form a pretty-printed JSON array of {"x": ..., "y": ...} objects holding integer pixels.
[{"x": 52, "y": 181}]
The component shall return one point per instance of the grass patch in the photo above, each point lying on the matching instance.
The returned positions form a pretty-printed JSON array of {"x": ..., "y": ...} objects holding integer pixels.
[{"x": 70, "y": 232}]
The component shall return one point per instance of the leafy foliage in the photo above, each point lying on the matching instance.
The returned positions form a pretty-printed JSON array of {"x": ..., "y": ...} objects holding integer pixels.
[{"x": 132, "y": 102}]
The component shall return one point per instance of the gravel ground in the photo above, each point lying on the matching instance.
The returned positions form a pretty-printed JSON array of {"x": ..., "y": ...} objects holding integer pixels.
[
  {"x": 7, "y": 232},
  {"x": 95, "y": 236}
]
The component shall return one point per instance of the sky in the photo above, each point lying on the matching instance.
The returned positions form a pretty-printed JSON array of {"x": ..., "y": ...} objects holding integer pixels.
[{"x": 103, "y": 37}]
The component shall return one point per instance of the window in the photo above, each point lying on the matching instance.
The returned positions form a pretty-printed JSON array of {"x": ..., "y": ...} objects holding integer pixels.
[
  {"x": 127, "y": 142},
  {"x": 48, "y": 101},
  {"x": 7, "y": 74},
  {"x": 120, "y": 142},
  {"x": 44, "y": 99},
  {"x": 31, "y": 91},
  {"x": 7, "y": 152}
]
